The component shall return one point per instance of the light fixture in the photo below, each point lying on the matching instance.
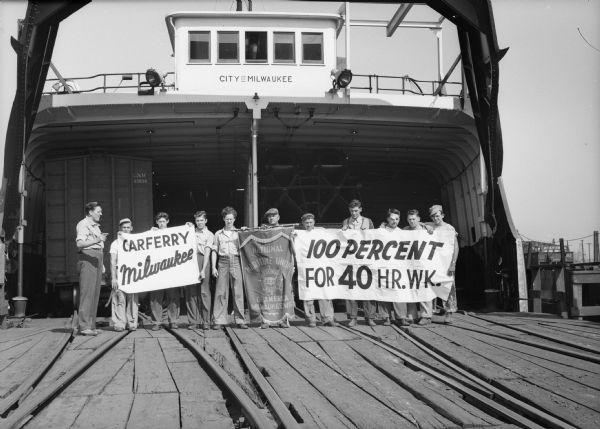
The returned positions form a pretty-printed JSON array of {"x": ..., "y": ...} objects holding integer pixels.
[
  {"x": 341, "y": 78},
  {"x": 154, "y": 78}
]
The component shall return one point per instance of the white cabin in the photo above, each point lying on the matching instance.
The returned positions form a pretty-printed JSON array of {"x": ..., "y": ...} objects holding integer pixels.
[{"x": 243, "y": 53}]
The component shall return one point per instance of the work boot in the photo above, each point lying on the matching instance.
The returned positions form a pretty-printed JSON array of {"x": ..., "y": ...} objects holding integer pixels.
[
  {"x": 331, "y": 323},
  {"x": 370, "y": 322},
  {"x": 448, "y": 318},
  {"x": 264, "y": 325},
  {"x": 424, "y": 321},
  {"x": 88, "y": 333},
  {"x": 352, "y": 323},
  {"x": 119, "y": 329},
  {"x": 312, "y": 324},
  {"x": 403, "y": 322},
  {"x": 387, "y": 322},
  {"x": 155, "y": 327},
  {"x": 174, "y": 326},
  {"x": 216, "y": 326},
  {"x": 242, "y": 326},
  {"x": 192, "y": 326}
]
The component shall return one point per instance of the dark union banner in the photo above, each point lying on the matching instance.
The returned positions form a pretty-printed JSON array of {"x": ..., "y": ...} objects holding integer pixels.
[{"x": 268, "y": 265}]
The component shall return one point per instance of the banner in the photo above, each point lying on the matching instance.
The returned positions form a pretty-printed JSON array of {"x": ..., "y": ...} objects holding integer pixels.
[
  {"x": 157, "y": 259},
  {"x": 374, "y": 264},
  {"x": 268, "y": 267}
]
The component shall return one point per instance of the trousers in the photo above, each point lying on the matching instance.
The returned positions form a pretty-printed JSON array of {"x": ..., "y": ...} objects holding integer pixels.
[
  {"x": 198, "y": 297},
  {"x": 368, "y": 307},
  {"x": 90, "y": 279},
  {"x": 230, "y": 277},
  {"x": 325, "y": 310},
  {"x": 124, "y": 308},
  {"x": 156, "y": 304}
]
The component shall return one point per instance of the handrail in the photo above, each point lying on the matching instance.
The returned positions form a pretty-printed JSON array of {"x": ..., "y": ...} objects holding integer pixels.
[{"x": 373, "y": 84}]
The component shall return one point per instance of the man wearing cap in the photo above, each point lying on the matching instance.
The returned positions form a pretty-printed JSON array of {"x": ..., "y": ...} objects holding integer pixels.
[
  {"x": 436, "y": 214},
  {"x": 156, "y": 296},
  {"x": 325, "y": 305},
  {"x": 124, "y": 306},
  {"x": 272, "y": 217},
  {"x": 357, "y": 221}
]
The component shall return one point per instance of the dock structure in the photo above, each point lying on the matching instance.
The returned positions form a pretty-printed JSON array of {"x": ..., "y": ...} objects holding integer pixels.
[{"x": 485, "y": 370}]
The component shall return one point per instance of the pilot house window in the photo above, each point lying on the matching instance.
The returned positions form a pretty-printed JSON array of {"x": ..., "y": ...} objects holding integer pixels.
[
  {"x": 256, "y": 46},
  {"x": 228, "y": 46},
  {"x": 199, "y": 46},
  {"x": 284, "y": 47},
  {"x": 312, "y": 48}
]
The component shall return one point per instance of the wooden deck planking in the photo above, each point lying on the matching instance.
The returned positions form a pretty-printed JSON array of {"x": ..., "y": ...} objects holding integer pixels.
[
  {"x": 122, "y": 382},
  {"x": 12, "y": 354},
  {"x": 98, "y": 376},
  {"x": 197, "y": 412},
  {"x": 570, "y": 367},
  {"x": 24, "y": 365},
  {"x": 156, "y": 410},
  {"x": 548, "y": 380},
  {"x": 364, "y": 375},
  {"x": 250, "y": 336},
  {"x": 151, "y": 372},
  {"x": 479, "y": 365},
  {"x": 557, "y": 395},
  {"x": 341, "y": 392},
  {"x": 294, "y": 334},
  {"x": 314, "y": 409},
  {"x": 104, "y": 412},
  {"x": 59, "y": 414},
  {"x": 438, "y": 396}
]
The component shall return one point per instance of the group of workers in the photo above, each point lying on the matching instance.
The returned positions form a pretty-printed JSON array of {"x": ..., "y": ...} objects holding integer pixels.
[{"x": 219, "y": 255}]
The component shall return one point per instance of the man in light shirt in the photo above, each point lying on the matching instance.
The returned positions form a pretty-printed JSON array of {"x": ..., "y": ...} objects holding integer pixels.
[
  {"x": 357, "y": 221},
  {"x": 325, "y": 305},
  {"x": 198, "y": 296},
  {"x": 124, "y": 306},
  {"x": 228, "y": 272},
  {"x": 90, "y": 243}
]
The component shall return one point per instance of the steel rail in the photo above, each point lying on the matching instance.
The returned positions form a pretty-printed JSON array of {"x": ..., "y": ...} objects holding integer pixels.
[
  {"x": 249, "y": 408},
  {"x": 282, "y": 412},
  {"x": 17, "y": 418},
  {"x": 503, "y": 395},
  {"x": 481, "y": 401},
  {"x": 555, "y": 349},
  {"x": 19, "y": 394},
  {"x": 538, "y": 334}
]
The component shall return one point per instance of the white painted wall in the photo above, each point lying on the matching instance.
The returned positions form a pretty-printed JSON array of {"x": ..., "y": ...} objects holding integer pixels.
[{"x": 265, "y": 79}]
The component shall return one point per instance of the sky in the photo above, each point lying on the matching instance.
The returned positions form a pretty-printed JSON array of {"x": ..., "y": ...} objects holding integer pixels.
[{"x": 549, "y": 98}]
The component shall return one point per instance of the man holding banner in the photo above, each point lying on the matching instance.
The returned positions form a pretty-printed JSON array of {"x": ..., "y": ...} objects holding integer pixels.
[
  {"x": 158, "y": 261},
  {"x": 358, "y": 222},
  {"x": 437, "y": 216},
  {"x": 156, "y": 296},
  {"x": 267, "y": 258},
  {"x": 325, "y": 305},
  {"x": 124, "y": 306},
  {"x": 374, "y": 265}
]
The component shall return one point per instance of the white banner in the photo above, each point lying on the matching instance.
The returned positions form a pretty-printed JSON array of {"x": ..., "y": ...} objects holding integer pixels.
[
  {"x": 374, "y": 265},
  {"x": 158, "y": 259}
]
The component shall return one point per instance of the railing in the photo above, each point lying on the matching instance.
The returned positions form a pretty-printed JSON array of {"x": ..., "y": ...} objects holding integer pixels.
[
  {"x": 376, "y": 84},
  {"x": 103, "y": 82},
  {"x": 372, "y": 83}
]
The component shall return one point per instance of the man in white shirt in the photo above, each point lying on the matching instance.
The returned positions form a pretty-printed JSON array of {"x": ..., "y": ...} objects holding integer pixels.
[
  {"x": 198, "y": 296},
  {"x": 124, "y": 306}
]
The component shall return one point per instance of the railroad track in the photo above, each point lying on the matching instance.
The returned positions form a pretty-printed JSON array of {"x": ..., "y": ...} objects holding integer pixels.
[
  {"x": 302, "y": 378},
  {"x": 28, "y": 402},
  {"x": 505, "y": 403}
]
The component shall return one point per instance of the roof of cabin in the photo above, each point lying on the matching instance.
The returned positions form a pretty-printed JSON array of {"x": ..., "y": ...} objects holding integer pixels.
[{"x": 169, "y": 19}]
